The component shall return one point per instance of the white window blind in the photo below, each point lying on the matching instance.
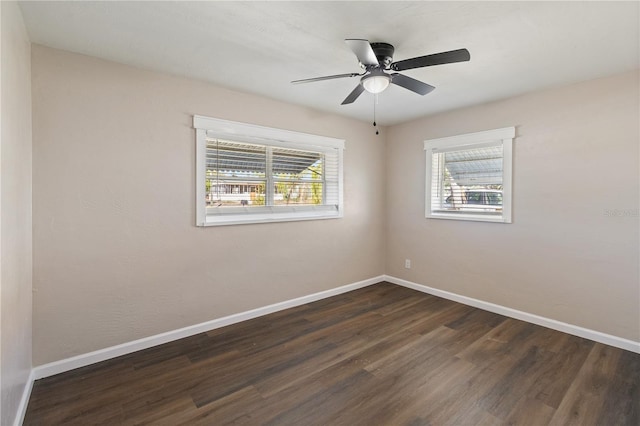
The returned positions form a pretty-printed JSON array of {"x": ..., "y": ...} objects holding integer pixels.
[
  {"x": 248, "y": 178},
  {"x": 248, "y": 175},
  {"x": 469, "y": 176}
]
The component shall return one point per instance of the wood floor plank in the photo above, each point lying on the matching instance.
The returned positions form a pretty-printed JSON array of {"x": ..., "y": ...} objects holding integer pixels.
[
  {"x": 378, "y": 355},
  {"x": 405, "y": 391},
  {"x": 510, "y": 338},
  {"x": 462, "y": 399},
  {"x": 621, "y": 403},
  {"x": 530, "y": 412},
  {"x": 503, "y": 396},
  {"x": 318, "y": 408},
  {"x": 583, "y": 402},
  {"x": 549, "y": 386}
]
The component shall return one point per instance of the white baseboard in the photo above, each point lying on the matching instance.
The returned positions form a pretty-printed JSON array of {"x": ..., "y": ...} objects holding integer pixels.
[
  {"x": 596, "y": 336},
  {"x": 78, "y": 361},
  {"x": 24, "y": 401}
]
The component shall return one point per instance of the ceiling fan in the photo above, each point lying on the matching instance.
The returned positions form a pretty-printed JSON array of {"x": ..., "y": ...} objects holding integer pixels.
[{"x": 376, "y": 59}]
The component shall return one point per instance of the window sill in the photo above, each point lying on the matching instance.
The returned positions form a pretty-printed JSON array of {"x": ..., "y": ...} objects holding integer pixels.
[
  {"x": 247, "y": 218},
  {"x": 468, "y": 217}
]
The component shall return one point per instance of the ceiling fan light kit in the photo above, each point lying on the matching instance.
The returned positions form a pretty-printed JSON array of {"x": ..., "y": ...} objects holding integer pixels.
[
  {"x": 376, "y": 58},
  {"x": 375, "y": 83}
]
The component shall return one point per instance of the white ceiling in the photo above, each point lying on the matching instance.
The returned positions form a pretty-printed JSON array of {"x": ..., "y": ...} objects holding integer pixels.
[{"x": 259, "y": 47}]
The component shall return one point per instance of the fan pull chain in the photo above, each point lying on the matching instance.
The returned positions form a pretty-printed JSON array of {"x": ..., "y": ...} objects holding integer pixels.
[{"x": 375, "y": 101}]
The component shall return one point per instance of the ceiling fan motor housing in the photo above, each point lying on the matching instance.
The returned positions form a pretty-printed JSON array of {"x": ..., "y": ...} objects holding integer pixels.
[{"x": 384, "y": 53}]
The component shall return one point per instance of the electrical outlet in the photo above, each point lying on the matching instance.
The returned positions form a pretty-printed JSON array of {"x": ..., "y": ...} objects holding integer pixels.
[{"x": 407, "y": 263}]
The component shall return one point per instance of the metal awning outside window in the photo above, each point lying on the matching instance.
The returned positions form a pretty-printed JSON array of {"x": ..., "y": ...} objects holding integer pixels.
[
  {"x": 241, "y": 158},
  {"x": 477, "y": 166}
]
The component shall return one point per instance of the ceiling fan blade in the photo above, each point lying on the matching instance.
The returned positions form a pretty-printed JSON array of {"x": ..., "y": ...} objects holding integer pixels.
[
  {"x": 327, "y": 77},
  {"x": 363, "y": 51},
  {"x": 353, "y": 95},
  {"x": 411, "y": 84},
  {"x": 460, "y": 55}
]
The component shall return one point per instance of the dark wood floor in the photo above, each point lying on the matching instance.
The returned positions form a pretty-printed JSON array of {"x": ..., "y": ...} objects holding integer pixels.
[{"x": 380, "y": 355}]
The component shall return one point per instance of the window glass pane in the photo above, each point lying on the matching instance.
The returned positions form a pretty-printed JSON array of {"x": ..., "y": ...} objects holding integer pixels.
[
  {"x": 298, "y": 177},
  {"x": 235, "y": 174},
  {"x": 474, "y": 197},
  {"x": 296, "y": 164},
  {"x": 495, "y": 198},
  {"x": 468, "y": 181},
  {"x": 298, "y": 193},
  {"x": 232, "y": 159},
  {"x": 235, "y": 194}
]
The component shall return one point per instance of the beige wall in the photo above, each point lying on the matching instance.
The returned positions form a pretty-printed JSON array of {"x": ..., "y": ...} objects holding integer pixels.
[
  {"x": 116, "y": 254},
  {"x": 575, "y": 157},
  {"x": 15, "y": 211}
]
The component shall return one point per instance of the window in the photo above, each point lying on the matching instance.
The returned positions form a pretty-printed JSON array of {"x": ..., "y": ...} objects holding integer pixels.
[
  {"x": 253, "y": 174},
  {"x": 469, "y": 176}
]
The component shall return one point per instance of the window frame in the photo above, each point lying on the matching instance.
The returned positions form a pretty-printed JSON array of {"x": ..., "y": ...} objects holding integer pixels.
[
  {"x": 496, "y": 137},
  {"x": 207, "y": 127}
]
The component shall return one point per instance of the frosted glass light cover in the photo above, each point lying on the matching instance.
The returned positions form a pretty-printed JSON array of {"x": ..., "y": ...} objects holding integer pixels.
[{"x": 375, "y": 83}]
